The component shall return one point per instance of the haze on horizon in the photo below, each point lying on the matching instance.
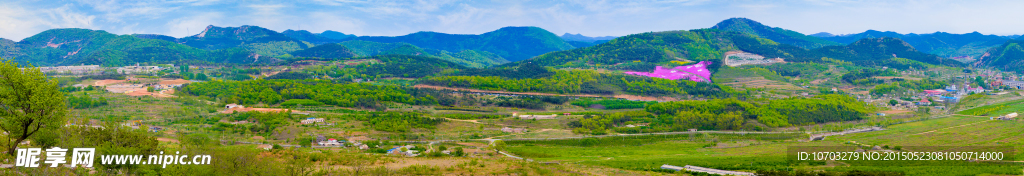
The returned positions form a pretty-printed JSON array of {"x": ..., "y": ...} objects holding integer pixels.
[{"x": 21, "y": 19}]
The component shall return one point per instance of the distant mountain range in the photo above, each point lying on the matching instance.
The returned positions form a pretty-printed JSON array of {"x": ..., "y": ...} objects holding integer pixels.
[
  {"x": 253, "y": 44},
  {"x": 579, "y": 37},
  {"x": 940, "y": 43},
  {"x": 511, "y": 43},
  {"x": 249, "y": 44}
]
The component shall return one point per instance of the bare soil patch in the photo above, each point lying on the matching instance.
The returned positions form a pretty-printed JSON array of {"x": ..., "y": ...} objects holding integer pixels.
[
  {"x": 106, "y": 82},
  {"x": 173, "y": 81}
]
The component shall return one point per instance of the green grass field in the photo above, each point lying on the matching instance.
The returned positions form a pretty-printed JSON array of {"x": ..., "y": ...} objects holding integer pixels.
[{"x": 751, "y": 155}]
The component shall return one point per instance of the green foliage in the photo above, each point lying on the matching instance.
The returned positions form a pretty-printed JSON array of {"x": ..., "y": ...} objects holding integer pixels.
[
  {"x": 266, "y": 124},
  {"x": 303, "y": 102},
  {"x": 1006, "y": 56},
  {"x": 85, "y": 101},
  {"x": 274, "y": 91},
  {"x": 31, "y": 103},
  {"x": 611, "y": 103},
  {"x": 582, "y": 81},
  {"x": 938, "y": 43},
  {"x": 405, "y": 66},
  {"x": 83, "y": 46},
  {"x": 899, "y": 84},
  {"x": 112, "y": 139},
  {"x": 511, "y": 43},
  {"x": 290, "y": 75},
  {"x": 399, "y": 122},
  {"x": 775, "y": 113},
  {"x": 656, "y": 47},
  {"x": 751, "y": 27},
  {"x": 865, "y": 76},
  {"x": 330, "y": 50}
]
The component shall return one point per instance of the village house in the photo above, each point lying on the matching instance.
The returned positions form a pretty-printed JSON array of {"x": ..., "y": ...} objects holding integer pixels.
[
  {"x": 312, "y": 120},
  {"x": 1008, "y": 116},
  {"x": 330, "y": 142},
  {"x": 232, "y": 106}
]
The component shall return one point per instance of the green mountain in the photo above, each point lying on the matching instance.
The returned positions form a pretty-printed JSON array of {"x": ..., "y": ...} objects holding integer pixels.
[
  {"x": 641, "y": 52},
  {"x": 8, "y": 48},
  {"x": 83, "y": 46},
  {"x": 406, "y": 66},
  {"x": 1009, "y": 56},
  {"x": 511, "y": 43},
  {"x": 939, "y": 43},
  {"x": 469, "y": 58},
  {"x": 747, "y": 26},
  {"x": 330, "y": 50},
  {"x": 262, "y": 41}
]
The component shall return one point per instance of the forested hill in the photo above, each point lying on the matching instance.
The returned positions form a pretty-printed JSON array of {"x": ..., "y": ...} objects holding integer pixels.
[
  {"x": 82, "y": 46},
  {"x": 330, "y": 50},
  {"x": 1009, "y": 56},
  {"x": 469, "y": 58},
  {"x": 747, "y": 26},
  {"x": 511, "y": 43},
  {"x": 940, "y": 43},
  {"x": 641, "y": 52},
  {"x": 8, "y": 48},
  {"x": 886, "y": 51},
  {"x": 260, "y": 40}
]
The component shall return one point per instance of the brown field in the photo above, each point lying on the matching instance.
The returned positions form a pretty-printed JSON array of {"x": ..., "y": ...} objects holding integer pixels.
[
  {"x": 107, "y": 82},
  {"x": 758, "y": 82},
  {"x": 896, "y": 111},
  {"x": 174, "y": 81}
]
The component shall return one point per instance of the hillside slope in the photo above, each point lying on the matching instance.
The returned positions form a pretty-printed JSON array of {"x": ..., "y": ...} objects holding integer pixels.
[
  {"x": 469, "y": 58},
  {"x": 511, "y": 43},
  {"x": 747, "y": 26},
  {"x": 260, "y": 40},
  {"x": 641, "y": 52},
  {"x": 1009, "y": 56},
  {"x": 83, "y": 46}
]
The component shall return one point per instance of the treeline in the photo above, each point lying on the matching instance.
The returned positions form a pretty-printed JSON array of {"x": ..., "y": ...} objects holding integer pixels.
[
  {"x": 866, "y": 76},
  {"x": 583, "y": 81},
  {"x": 611, "y": 103},
  {"x": 652, "y": 47},
  {"x": 85, "y": 101},
  {"x": 262, "y": 123},
  {"x": 275, "y": 91},
  {"x": 900, "y": 84},
  {"x": 774, "y": 113},
  {"x": 400, "y": 122}
]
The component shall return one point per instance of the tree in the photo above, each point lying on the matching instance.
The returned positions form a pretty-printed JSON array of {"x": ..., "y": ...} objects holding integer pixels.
[
  {"x": 893, "y": 102},
  {"x": 30, "y": 103}
]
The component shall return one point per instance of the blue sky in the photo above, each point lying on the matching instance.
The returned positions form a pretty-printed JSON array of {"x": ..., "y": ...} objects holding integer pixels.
[{"x": 178, "y": 18}]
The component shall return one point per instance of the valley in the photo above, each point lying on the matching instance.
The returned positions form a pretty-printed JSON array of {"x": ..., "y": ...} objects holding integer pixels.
[{"x": 738, "y": 96}]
